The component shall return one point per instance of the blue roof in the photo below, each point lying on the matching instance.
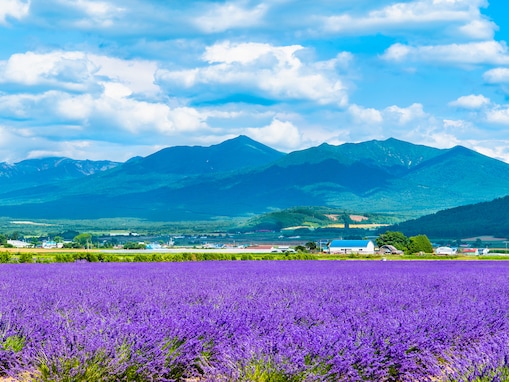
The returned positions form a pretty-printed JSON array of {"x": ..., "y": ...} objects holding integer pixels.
[{"x": 349, "y": 243}]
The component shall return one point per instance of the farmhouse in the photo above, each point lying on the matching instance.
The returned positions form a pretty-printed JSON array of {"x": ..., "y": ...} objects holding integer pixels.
[
  {"x": 352, "y": 246},
  {"x": 19, "y": 244},
  {"x": 475, "y": 251},
  {"x": 386, "y": 249},
  {"x": 446, "y": 251}
]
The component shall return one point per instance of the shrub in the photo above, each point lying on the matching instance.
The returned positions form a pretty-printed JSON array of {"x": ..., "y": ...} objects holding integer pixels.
[
  {"x": 5, "y": 257},
  {"x": 25, "y": 258},
  {"x": 64, "y": 258}
]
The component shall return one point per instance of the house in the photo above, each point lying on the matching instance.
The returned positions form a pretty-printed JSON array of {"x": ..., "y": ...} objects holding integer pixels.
[
  {"x": 352, "y": 246},
  {"x": 389, "y": 249},
  {"x": 475, "y": 251},
  {"x": 19, "y": 244},
  {"x": 446, "y": 251},
  {"x": 50, "y": 244}
]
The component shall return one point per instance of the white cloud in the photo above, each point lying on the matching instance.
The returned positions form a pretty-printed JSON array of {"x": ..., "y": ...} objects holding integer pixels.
[
  {"x": 365, "y": 115},
  {"x": 498, "y": 115},
  {"x": 16, "y": 9},
  {"x": 70, "y": 70},
  {"x": 78, "y": 71},
  {"x": 246, "y": 53},
  {"x": 479, "y": 29},
  {"x": 486, "y": 52},
  {"x": 98, "y": 13},
  {"x": 497, "y": 75},
  {"x": 471, "y": 101},
  {"x": 137, "y": 75},
  {"x": 222, "y": 17},
  {"x": 279, "y": 134},
  {"x": 440, "y": 139},
  {"x": 404, "y": 115},
  {"x": 99, "y": 116},
  {"x": 413, "y": 15},
  {"x": 126, "y": 114},
  {"x": 495, "y": 149},
  {"x": 454, "y": 124},
  {"x": 276, "y": 71}
]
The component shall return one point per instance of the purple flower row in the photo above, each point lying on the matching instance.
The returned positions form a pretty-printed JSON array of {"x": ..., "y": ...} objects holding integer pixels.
[{"x": 255, "y": 321}]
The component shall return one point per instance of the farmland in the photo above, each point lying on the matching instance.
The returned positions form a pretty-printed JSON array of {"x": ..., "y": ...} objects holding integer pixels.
[{"x": 255, "y": 321}]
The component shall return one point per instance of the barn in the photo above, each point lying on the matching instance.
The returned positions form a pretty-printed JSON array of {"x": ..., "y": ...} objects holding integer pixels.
[{"x": 352, "y": 246}]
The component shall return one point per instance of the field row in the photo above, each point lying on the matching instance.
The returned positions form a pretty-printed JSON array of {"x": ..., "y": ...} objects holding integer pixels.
[{"x": 255, "y": 321}]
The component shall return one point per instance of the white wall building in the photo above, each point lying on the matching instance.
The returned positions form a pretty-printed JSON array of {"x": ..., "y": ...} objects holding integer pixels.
[
  {"x": 352, "y": 246},
  {"x": 446, "y": 251}
]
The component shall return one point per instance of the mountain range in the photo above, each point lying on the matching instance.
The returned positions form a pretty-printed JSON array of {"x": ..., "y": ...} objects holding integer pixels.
[{"x": 242, "y": 177}]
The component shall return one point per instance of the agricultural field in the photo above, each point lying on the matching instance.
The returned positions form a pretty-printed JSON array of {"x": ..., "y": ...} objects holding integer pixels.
[{"x": 255, "y": 321}]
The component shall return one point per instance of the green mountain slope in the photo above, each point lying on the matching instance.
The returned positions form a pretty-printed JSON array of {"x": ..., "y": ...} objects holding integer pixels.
[
  {"x": 241, "y": 177},
  {"x": 486, "y": 218}
]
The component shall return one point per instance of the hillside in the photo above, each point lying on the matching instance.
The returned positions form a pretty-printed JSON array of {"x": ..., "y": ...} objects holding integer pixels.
[
  {"x": 487, "y": 218},
  {"x": 241, "y": 177}
]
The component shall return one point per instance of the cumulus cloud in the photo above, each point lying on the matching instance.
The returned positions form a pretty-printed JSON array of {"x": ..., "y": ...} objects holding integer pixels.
[
  {"x": 365, "y": 115},
  {"x": 454, "y": 124},
  {"x": 16, "y": 9},
  {"x": 497, "y": 75},
  {"x": 18, "y": 144},
  {"x": 231, "y": 15},
  {"x": 77, "y": 71},
  {"x": 416, "y": 14},
  {"x": 125, "y": 114},
  {"x": 479, "y": 29},
  {"x": 274, "y": 71},
  {"x": 404, "y": 115},
  {"x": 103, "y": 117},
  {"x": 471, "y": 101},
  {"x": 279, "y": 134},
  {"x": 96, "y": 13},
  {"x": 498, "y": 115},
  {"x": 495, "y": 149},
  {"x": 485, "y": 52},
  {"x": 70, "y": 70}
]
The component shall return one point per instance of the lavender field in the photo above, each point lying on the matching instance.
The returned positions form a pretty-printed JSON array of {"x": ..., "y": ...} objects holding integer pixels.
[{"x": 255, "y": 321}]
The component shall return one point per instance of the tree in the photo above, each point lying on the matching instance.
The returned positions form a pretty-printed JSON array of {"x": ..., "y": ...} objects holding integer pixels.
[
  {"x": 83, "y": 239},
  {"x": 311, "y": 245},
  {"x": 420, "y": 243},
  {"x": 394, "y": 238}
]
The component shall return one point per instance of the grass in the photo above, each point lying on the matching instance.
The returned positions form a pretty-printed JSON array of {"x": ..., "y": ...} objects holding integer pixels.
[{"x": 37, "y": 255}]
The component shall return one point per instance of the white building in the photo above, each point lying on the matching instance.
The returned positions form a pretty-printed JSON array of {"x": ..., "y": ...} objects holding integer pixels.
[
  {"x": 19, "y": 244},
  {"x": 352, "y": 246},
  {"x": 446, "y": 251}
]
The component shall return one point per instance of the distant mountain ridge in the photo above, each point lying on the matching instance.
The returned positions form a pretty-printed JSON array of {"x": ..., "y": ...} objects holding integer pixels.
[
  {"x": 231, "y": 155},
  {"x": 242, "y": 177},
  {"x": 33, "y": 172}
]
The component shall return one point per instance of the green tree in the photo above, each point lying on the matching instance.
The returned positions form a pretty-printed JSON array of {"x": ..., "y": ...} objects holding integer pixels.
[
  {"x": 134, "y": 245},
  {"x": 3, "y": 239},
  {"x": 397, "y": 239},
  {"x": 420, "y": 243},
  {"x": 83, "y": 239},
  {"x": 311, "y": 245}
]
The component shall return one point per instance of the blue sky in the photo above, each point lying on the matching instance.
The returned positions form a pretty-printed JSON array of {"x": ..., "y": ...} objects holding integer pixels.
[{"x": 112, "y": 79}]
